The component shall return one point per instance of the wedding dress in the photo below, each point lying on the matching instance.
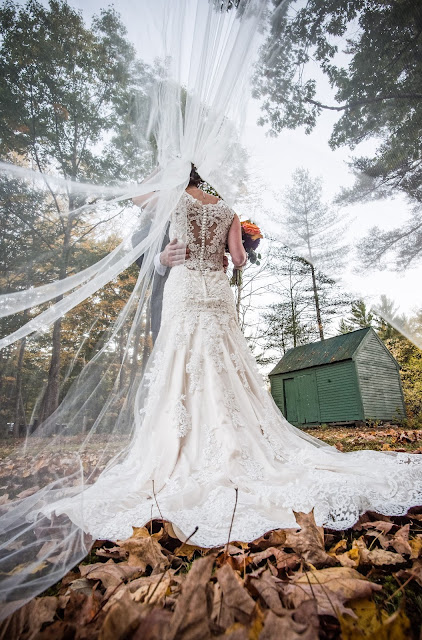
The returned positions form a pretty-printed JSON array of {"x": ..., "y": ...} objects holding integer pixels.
[{"x": 209, "y": 425}]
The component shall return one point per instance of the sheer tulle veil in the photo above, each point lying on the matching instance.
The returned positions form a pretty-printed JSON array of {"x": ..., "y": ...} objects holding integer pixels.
[
  {"x": 196, "y": 112},
  {"x": 197, "y": 108}
]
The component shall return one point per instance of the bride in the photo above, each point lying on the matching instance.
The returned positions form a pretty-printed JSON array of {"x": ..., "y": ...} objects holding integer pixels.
[
  {"x": 210, "y": 426},
  {"x": 206, "y": 439}
]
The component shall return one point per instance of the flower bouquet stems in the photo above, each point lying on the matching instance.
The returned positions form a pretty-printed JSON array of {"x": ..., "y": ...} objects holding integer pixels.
[{"x": 251, "y": 236}]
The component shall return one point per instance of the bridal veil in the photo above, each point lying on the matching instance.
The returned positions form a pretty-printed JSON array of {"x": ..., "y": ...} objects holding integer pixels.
[{"x": 195, "y": 113}]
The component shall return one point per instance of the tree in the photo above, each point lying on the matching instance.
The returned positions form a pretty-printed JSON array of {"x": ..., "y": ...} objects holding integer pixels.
[
  {"x": 70, "y": 97},
  {"x": 360, "y": 317},
  {"x": 403, "y": 243},
  {"x": 81, "y": 333},
  {"x": 288, "y": 320},
  {"x": 408, "y": 356},
  {"x": 378, "y": 94},
  {"x": 310, "y": 226}
]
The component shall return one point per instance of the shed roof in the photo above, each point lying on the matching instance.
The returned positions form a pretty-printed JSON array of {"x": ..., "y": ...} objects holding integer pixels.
[{"x": 326, "y": 351}]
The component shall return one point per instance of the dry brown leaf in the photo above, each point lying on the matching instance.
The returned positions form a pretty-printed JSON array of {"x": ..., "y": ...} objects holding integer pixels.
[
  {"x": 144, "y": 550},
  {"x": 153, "y": 625},
  {"x": 29, "y": 619},
  {"x": 379, "y": 525},
  {"x": 415, "y": 516},
  {"x": 266, "y": 587},
  {"x": 286, "y": 628},
  {"x": 110, "y": 573},
  {"x": 307, "y": 612},
  {"x": 237, "y": 632},
  {"x": 349, "y": 559},
  {"x": 309, "y": 541},
  {"x": 190, "y": 619},
  {"x": 28, "y": 492},
  {"x": 112, "y": 595},
  {"x": 122, "y": 618},
  {"x": 274, "y": 538},
  {"x": 81, "y": 609},
  {"x": 415, "y": 572},
  {"x": 151, "y": 589},
  {"x": 400, "y": 541},
  {"x": 236, "y": 604},
  {"x": 283, "y": 559},
  {"x": 81, "y": 585},
  {"x": 331, "y": 587},
  {"x": 187, "y": 551},
  {"x": 378, "y": 557},
  {"x": 113, "y": 552}
]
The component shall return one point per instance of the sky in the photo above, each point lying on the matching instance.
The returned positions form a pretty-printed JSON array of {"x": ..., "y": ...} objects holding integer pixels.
[{"x": 274, "y": 159}]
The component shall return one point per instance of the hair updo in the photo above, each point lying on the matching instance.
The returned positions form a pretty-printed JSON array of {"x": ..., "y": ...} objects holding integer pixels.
[{"x": 194, "y": 179}]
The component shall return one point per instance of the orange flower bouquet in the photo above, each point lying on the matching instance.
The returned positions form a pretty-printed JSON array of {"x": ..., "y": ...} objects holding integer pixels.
[{"x": 251, "y": 237}]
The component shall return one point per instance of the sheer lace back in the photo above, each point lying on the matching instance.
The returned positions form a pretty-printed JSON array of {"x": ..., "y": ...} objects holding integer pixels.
[{"x": 207, "y": 226}]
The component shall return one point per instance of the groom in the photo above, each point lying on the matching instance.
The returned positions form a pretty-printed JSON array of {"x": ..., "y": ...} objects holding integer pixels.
[
  {"x": 163, "y": 261},
  {"x": 167, "y": 258}
]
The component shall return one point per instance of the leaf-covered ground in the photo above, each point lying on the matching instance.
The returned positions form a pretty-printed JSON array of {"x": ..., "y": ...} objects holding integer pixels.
[
  {"x": 384, "y": 437},
  {"x": 290, "y": 584}
]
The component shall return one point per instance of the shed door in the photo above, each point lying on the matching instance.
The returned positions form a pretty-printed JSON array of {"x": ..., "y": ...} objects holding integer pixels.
[
  {"x": 290, "y": 399},
  {"x": 308, "y": 405}
]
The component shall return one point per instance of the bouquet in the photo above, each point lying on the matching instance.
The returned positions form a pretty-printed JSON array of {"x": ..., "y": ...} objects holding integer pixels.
[{"x": 251, "y": 237}]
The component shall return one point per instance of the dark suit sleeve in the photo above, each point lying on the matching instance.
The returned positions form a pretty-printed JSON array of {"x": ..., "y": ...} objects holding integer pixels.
[
  {"x": 166, "y": 239},
  {"x": 141, "y": 234}
]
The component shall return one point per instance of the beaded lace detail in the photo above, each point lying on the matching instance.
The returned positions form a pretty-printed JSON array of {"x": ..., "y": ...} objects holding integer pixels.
[{"x": 207, "y": 229}]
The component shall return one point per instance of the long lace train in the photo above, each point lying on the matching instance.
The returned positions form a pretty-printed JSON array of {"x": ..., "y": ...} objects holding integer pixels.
[{"x": 207, "y": 424}]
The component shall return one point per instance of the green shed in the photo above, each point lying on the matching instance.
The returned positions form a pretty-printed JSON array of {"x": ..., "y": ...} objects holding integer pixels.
[{"x": 350, "y": 378}]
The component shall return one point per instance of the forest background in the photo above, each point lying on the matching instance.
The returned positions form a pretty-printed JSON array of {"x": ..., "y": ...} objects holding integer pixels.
[{"x": 71, "y": 96}]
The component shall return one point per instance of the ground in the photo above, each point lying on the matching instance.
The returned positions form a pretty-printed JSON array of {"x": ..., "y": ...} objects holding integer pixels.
[{"x": 312, "y": 582}]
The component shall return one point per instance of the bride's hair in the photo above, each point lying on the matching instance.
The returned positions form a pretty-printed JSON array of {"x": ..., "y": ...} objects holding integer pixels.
[{"x": 194, "y": 179}]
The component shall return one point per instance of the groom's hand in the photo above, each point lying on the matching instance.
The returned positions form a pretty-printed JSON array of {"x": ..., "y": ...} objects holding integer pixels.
[{"x": 174, "y": 253}]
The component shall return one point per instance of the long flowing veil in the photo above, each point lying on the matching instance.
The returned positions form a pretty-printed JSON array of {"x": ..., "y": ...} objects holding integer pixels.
[
  {"x": 193, "y": 110},
  {"x": 196, "y": 107}
]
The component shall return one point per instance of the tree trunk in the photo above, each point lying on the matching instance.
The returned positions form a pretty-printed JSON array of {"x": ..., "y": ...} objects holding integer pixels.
[
  {"x": 316, "y": 298},
  {"x": 18, "y": 414},
  {"x": 50, "y": 400},
  {"x": 294, "y": 324}
]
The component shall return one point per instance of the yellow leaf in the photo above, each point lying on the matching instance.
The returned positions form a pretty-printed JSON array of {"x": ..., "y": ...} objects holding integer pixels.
[
  {"x": 373, "y": 623},
  {"x": 341, "y": 545},
  {"x": 354, "y": 554},
  {"x": 416, "y": 545}
]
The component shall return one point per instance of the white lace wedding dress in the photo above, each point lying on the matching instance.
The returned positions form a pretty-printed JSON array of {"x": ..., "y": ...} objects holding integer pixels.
[{"x": 207, "y": 424}]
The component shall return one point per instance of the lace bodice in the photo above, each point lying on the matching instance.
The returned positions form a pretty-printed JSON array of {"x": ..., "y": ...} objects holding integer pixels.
[{"x": 207, "y": 226}]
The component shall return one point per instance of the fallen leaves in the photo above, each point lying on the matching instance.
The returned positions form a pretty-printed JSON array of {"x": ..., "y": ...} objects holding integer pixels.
[
  {"x": 109, "y": 573},
  {"x": 292, "y": 584},
  {"x": 234, "y": 603},
  {"x": 144, "y": 550},
  {"x": 331, "y": 588},
  {"x": 385, "y": 437},
  {"x": 309, "y": 541}
]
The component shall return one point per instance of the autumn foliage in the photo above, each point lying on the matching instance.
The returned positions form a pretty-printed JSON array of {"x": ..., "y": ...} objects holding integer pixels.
[{"x": 308, "y": 582}]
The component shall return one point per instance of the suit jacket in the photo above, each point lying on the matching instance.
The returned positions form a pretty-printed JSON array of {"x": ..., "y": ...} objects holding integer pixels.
[{"x": 157, "y": 283}]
